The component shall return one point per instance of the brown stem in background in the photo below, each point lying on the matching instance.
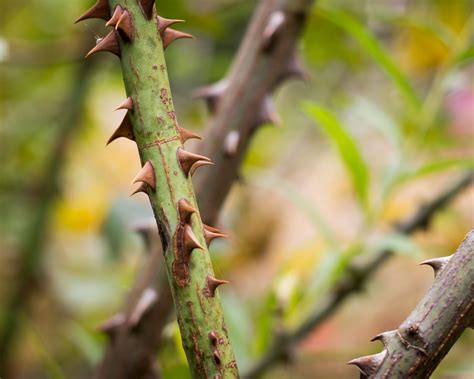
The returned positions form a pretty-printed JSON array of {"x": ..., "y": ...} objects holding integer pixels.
[
  {"x": 416, "y": 348},
  {"x": 352, "y": 281},
  {"x": 240, "y": 103},
  {"x": 33, "y": 242}
]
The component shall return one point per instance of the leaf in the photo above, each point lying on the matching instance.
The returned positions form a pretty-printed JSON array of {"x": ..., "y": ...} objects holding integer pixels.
[
  {"x": 436, "y": 167},
  {"x": 372, "y": 47},
  {"x": 347, "y": 149},
  {"x": 398, "y": 243}
]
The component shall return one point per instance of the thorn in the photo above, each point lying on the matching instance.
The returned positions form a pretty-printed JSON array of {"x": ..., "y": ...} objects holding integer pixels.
[
  {"x": 146, "y": 175},
  {"x": 437, "y": 263},
  {"x": 124, "y": 25},
  {"x": 369, "y": 364},
  {"x": 115, "y": 17},
  {"x": 127, "y": 104},
  {"x": 231, "y": 143},
  {"x": 99, "y": 10},
  {"x": 217, "y": 357},
  {"x": 141, "y": 188},
  {"x": 213, "y": 283},
  {"x": 190, "y": 240},
  {"x": 212, "y": 93},
  {"x": 108, "y": 43},
  {"x": 147, "y": 229},
  {"x": 111, "y": 326},
  {"x": 293, "y": 69},
  {"x": 147, "y": 8},
  {"x": 185, "y": 210},
  {"x": 171, "y": 35},
  {"x": 198, "y": 164},
  {"x": 165, "y": 23},
  {"x": 124, "y": 130},
  {"x": 186, "y": 134},
  {"x": 211, "y": 233},
  {"x": 267, "y": 114},
  {"x": 274, "y": 24},
  {"x": 187, "y": 159},
  {"x": 385, "y": 337},
  {"x": 147, "y": 299}
]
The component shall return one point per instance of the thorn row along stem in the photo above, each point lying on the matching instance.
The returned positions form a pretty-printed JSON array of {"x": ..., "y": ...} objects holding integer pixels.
[{"x": 139, "y": 38}]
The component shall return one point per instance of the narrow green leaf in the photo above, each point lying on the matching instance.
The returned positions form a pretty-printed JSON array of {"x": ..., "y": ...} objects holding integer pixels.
[
  {"x": 372, "y": 47},
  {"x": 346, "y": 147},
  {"x": 436, "y": 167}
]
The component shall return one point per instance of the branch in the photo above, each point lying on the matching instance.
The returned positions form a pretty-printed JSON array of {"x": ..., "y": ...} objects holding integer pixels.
[
  {"x": 352, "y": 281},
  {"x": 251, "y": 60},
  {"x": 417, "y": 347}
]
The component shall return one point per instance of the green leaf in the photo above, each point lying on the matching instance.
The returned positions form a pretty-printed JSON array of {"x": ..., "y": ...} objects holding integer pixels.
[
  {"x": 373, "y": 48},
  {"x": 346, "y": 147},
  {"x": 398, "y": 243},
  {"x": 436, "y": 167}
]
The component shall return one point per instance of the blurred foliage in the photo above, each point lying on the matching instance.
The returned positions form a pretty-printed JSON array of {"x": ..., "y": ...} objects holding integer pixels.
[{"x": 385, "y": 121}]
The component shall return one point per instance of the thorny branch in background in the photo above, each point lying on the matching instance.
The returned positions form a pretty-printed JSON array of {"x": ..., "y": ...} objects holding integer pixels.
[
  {"x": 352, "y": 281},
  {"x": 265, "y": 59},
  {"x": 416, "y": 348},
  {"x": 31, "y": 250}
]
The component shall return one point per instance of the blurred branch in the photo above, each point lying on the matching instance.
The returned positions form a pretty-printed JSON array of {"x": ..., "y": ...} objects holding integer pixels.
[
  {"x": 352, "y": 281},
  {"x": 240, "y": 103},
  {"x": 34, "y": 239},
  {"x": 417, "y": 347}
]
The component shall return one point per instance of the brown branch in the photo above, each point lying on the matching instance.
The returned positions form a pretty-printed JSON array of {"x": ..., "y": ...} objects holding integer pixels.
[
  {"x": 417, "y": 347},
  {"x": 240, "y": 103},
  {"x": 352, "y": 281}
]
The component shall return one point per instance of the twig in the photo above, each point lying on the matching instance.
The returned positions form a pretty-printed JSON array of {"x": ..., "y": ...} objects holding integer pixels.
[
  {"x": 352, "y": 281},
  {"x": 417, "y": 347}
]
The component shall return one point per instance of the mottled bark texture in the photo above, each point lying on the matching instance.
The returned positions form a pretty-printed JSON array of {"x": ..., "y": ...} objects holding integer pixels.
[
  {"x": 139, "y": 38},
  {"x": 415, "y": 349},
  {"x": 352, "y": 281},
  {"x": 253, "y": 58}
]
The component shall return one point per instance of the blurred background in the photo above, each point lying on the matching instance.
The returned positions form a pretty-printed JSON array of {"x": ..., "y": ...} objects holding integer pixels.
[{"x": 383, "y": 123}]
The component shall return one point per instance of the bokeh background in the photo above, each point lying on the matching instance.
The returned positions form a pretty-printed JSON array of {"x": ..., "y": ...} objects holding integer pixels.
[{"x": 383, "y": 122}]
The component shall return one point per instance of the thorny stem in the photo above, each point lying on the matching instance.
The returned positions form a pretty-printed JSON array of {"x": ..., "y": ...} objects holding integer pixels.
[
  {"x": 139, "y": 40},
  {"x": 352, "y": 281},
  {"x": 31, "y": 250},
  {"x": 251, "y": 60},
  {"x": 416, "y": 348}
]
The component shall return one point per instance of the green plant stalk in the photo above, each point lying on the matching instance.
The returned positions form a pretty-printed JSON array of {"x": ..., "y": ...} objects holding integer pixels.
[{"x": 166, "y": 179}]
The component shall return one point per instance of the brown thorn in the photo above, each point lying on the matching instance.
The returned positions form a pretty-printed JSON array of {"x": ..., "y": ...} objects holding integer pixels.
[
  {"x": 165, "y": 23},
  {"x": 213, "y": 283},
  {"x": 148, "y": 297},
  {"x": 186, "y": 134},
  {"x": 127, "y": 104},
  {"x": 190, "y": 240},
  {"x": 111, "y": 326},
  {"x": 124, "y": 25},
  {"x": 170, "y": 35},
  {"x": 385, "y": 336},
  {"x": 267, "y": 113},
  {"x": 211, "y": 233},
  {"x": 368, "y": 365},
  {"x": 115, "y": 17},
  {"x": 108, "y": 43},
  {"x": 212, "y": 93},
  {"x": 141, "y": 188},
  {"x": 147, "y": 8},
  {"x": 275, "y": 23},
  {"x": 293, "y": 69},
  {"x": 217, "y": 357},
  {"x": 124, "y": 130},
  {"x": 187, "y": 159},
  {"x": 231, "y": 143},
  {"x": 198, "y": 164},
  {"x": 100, "y": 9},
  {"x": 437, "y": 264},
  {"x": 185, "y": 210},
  {"x": 146, "y": 175}
]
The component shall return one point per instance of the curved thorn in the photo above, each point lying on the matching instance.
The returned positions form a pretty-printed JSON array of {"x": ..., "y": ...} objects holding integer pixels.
[
  {"x": 267, "y": 113},
  {"x": 147, "y": 8},
  {"x": 146, "y": 175},
  {"x": 170, "y": 35},
  {"x": 198, "y": 164},
  {"x": 187, "y": 159},
  {"x": 141, "y": 188},
  {"x": 437, "y": 264},
  {"x": 274, "y": 24},
  {"x": 213, "y": 283},
  {"x": 111, "y": 326},
  {"x": 148, "y": 297},
  {"x": 186, "y": 134},
  {"x": 124, "y": 25},
  {"x": 127, "y": 104},
  {"x": 190, "y": 240},
  {"x": 124, "y": 130},
  {"x": 115, "y": 17},
  {"x": 100, "y": 9},
  {"x": 108, "y": 43},
  {"x": 231, "y": 143},
  {"x": 369, "y": 364},
  {"x": 211, "y": 233},
  {"x": 185, "y": 210},
  {"x": 212, "y": 93},
  {"x": 385, "y": 337},
  {"x": 165, "y": 23}
]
